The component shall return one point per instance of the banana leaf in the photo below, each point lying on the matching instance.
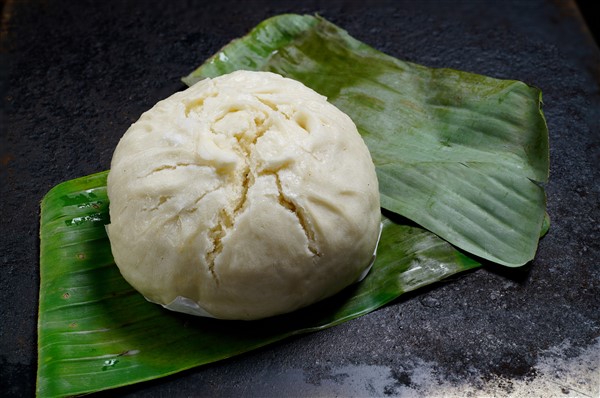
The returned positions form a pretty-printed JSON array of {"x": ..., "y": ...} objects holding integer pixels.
[
  {"x": 95, "y": 332},
  {"x": 463, "y": 155}
]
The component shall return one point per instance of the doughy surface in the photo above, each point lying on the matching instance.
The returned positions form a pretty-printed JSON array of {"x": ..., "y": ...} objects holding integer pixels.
[{"x": 248, "y": 194}]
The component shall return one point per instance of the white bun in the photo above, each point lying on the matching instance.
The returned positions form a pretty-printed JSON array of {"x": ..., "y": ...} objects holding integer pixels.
[{"x": 247, "y": 196}]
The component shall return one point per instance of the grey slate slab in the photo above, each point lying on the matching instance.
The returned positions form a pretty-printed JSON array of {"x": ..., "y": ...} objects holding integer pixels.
[{"x": 75, "y": 75}]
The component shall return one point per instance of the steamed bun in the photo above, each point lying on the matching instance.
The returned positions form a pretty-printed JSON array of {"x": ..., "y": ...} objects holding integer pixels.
[{"x": 242, "y": 197}]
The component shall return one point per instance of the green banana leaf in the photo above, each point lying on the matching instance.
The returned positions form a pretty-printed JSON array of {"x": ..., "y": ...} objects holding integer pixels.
[
  {"x": 460, "y": 154},
  {"x": 95, "y": 332},
  {"x": 463, "y": 155}
]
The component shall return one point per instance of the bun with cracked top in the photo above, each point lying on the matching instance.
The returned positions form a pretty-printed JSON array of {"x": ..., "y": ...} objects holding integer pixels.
[{"x": 244, "y": 196}]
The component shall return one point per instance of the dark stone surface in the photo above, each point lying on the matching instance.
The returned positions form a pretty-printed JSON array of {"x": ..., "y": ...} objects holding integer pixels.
[{"x": 75, "y": 74}]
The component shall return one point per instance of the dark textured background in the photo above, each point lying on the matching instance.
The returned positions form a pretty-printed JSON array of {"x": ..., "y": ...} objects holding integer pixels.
[{"x": 75, "y": 74}]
